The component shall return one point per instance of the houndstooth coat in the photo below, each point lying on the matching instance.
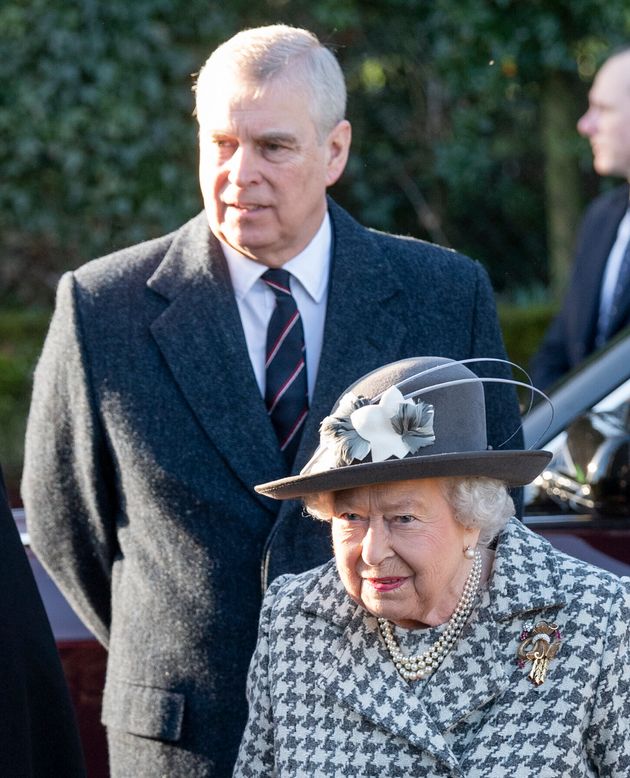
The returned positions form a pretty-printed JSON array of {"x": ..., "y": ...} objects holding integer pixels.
[{"x": 326, "y": 700}]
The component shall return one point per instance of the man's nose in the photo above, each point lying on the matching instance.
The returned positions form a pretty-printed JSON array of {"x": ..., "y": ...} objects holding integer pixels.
[
  {"x": 243, "y": 167},
  {"x": 586, "y": 123},
  {"x": 376, "y": 544}
]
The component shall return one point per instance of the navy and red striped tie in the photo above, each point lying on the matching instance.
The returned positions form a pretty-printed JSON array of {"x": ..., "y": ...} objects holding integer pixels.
[{"x": 286, "y": 391}]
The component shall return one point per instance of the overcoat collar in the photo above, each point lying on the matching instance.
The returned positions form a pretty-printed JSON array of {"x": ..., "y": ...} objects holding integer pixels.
[
  {"x": 525, "y": 579},
  {"x": 359, "y": 334},
  {"x": 201, "y": 338}
]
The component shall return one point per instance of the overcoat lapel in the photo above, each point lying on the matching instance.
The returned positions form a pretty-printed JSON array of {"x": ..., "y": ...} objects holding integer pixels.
[
  {"x": 364, "y": 679},
  {"x": 597, "y": 246},
  {"x": 359, "y": 334},
  {"x": 524, "y": 582},
  {"x": 201, "y": 338},
  {"x": 617, "y": 212},
  {"x": 200, "y": 332},
  {"x": 470, "y": 676}
]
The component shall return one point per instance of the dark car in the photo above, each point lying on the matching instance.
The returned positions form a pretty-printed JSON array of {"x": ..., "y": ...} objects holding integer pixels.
[{"x": 580, "y": 503}]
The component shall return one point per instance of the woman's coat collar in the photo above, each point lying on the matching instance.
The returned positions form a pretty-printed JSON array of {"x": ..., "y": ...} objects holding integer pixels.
[{"x": 525, "y": 578}]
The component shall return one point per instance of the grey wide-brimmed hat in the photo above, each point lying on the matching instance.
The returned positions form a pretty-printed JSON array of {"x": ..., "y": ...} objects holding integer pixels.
[{"x": 422, "y": 417}]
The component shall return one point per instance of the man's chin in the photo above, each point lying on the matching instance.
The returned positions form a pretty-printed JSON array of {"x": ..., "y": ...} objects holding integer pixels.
[
  {"x": 251, "y": 246},
  {"x": 604, "y": 168}
]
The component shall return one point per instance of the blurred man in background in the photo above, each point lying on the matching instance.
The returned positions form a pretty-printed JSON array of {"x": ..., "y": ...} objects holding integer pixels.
[
  {"x": 179, "y": 373},
  {"x": 597, "y": 303}
]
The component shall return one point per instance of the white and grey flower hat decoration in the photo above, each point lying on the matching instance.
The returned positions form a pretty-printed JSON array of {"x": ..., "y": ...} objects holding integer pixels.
[
  {"x": 422, "y": 417},
  {"x": 392, "y": 427}
]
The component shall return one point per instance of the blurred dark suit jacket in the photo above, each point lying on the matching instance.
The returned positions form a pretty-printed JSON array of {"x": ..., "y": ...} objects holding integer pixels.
[
  {"x": 571, "y": 335},
  {"x": 38, "y": 736}
]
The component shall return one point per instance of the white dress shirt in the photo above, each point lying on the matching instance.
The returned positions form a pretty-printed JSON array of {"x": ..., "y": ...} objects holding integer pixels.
[
  {"x": 611, "y": 274},
  {"x": 256, "y": 302}
]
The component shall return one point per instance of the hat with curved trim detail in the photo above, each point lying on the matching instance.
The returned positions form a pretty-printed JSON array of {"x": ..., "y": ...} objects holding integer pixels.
[{"x": 422, "y": 417}]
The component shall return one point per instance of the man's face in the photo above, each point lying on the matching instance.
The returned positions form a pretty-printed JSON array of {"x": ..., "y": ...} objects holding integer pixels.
[
  {"x": 607, "y": 121},
  {"x": 263, "y": 170}
]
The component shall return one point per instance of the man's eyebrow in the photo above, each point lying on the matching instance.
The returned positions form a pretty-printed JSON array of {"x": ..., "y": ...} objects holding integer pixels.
[
  {"x": 271, "y": 136},
  {"x": 274, "y": 136}
]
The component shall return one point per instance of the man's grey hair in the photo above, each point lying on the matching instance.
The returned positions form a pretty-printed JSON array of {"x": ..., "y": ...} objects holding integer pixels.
[
  {"x": 477, "y": 503},
  {"x": 258, "y": 56}
]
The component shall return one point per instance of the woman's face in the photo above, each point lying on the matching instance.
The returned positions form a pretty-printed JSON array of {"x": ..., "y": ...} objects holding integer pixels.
[{"x": 399, "y": 550}]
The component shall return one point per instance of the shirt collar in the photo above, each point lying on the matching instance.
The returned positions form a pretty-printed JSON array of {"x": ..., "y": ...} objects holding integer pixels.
[
  {"x": 309, "y": 267},
  {"x": 624, "y": 224}
]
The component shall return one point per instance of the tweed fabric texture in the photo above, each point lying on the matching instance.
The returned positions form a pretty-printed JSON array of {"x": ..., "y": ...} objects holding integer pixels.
[
  {"x": 146, "y": 434},
  {"x": 326, "y": 700}
]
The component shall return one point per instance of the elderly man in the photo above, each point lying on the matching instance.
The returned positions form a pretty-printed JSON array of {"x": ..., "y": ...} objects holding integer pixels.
[
  {"x": 179, "y": 373},
  {"x": 597, "y": 302}
]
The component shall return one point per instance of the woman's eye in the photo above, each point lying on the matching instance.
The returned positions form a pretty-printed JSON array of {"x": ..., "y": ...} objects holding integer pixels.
[{"x": 405, "y": 518}]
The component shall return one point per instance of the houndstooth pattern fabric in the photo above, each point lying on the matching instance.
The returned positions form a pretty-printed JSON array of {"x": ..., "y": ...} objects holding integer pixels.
[{"x": 326, "y": 700}]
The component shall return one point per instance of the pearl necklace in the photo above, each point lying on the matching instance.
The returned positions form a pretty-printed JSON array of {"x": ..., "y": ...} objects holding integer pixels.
[{"x": 413, "y": 668}]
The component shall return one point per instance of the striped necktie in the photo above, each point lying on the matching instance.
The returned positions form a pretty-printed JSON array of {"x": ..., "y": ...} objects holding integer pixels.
[{"x": 286, "y": 391}]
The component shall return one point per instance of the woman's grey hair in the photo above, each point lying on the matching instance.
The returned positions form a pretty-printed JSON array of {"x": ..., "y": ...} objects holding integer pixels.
[
  {"x": 264, "y": 54},
  {"x": 477, "y": 503}
]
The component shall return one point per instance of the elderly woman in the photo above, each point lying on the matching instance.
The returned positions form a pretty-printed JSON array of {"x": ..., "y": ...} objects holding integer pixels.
[{"x": 444, "y": 639}]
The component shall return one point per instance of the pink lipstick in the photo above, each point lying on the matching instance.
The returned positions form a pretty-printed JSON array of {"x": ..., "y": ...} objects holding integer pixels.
[{"x": 386, "y": 584}]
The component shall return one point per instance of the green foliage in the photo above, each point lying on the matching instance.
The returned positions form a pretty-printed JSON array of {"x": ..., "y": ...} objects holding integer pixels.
[
  {"x": 100, "y": 143},
  {"x": 523, "y": 327},
  {"x": 97, "y": 103},
  {"x": 497, "y": 61}
]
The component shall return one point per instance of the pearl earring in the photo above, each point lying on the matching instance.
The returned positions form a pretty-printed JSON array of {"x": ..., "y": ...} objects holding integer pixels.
[{"x": 469, "y": 552}]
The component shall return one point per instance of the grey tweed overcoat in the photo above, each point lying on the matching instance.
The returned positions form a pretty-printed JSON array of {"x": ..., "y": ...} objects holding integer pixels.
[
  {"x": 326, "y": 700},
  {"x": 146, "y": 435}
]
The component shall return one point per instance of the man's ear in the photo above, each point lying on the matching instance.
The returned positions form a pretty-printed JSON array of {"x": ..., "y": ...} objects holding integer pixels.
[{"x": 337, "y": 150}]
